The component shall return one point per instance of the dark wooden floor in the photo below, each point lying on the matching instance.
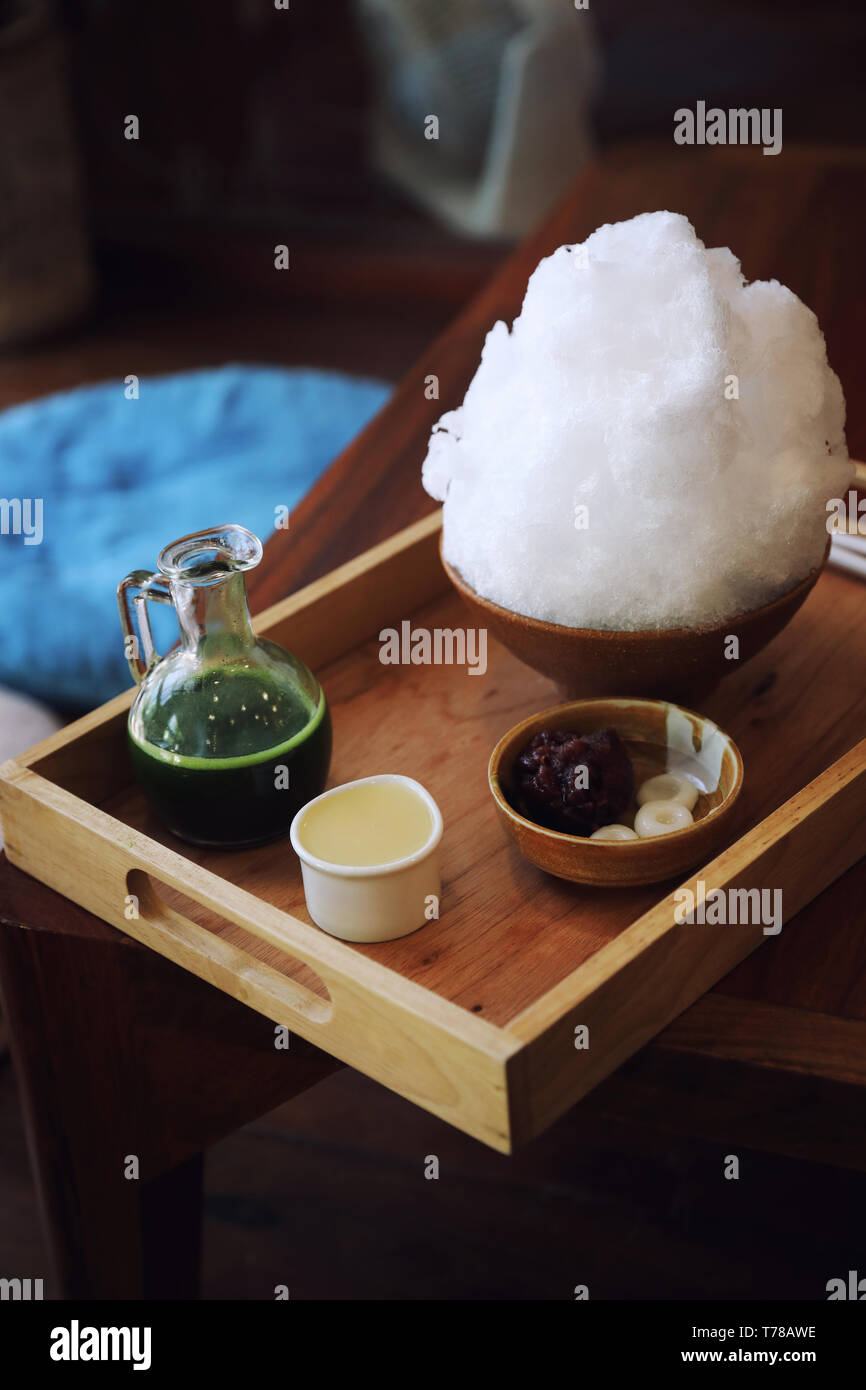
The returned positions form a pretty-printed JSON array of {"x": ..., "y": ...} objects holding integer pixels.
[{"x": 328, "y": 1196}]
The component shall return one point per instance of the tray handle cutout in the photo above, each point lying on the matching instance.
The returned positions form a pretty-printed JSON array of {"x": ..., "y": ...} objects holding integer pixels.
[{"x": 214, "y": 958}]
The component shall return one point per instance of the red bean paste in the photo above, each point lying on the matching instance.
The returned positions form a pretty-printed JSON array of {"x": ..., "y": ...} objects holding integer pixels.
[{"x": 573, "y": 782}]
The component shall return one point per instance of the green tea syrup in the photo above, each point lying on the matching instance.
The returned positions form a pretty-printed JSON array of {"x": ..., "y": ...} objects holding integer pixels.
[{"x": 255, "y": 751}]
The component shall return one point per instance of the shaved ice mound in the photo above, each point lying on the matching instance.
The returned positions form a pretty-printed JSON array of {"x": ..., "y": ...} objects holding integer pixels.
[{"x": 652, "y": 445}]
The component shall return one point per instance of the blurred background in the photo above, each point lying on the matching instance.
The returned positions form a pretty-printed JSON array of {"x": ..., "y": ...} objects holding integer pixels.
[
  {"x": 307, "y": 126},
  {"x": 153, "y": 157}
]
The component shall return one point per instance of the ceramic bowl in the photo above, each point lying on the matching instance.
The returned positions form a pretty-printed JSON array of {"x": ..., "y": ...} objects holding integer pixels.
[
  {"x": 653, "y": 731},
  {"x": 371, "y": 902},
  {"x": 681, "y": 663}
]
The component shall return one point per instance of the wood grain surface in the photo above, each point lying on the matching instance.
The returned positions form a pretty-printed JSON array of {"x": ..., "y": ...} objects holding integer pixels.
[
  {"x": 538, "y": 955},
  {"x": 509, "y": 932}
]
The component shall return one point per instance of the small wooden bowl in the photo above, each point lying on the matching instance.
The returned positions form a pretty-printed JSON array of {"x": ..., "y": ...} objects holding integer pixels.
[
  {"x": 624, "y": 863},
  {"x": 682, "y": 663}
]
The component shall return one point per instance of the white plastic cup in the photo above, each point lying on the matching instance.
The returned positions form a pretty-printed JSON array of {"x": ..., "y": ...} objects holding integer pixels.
[{"x": 372, "y": 902}]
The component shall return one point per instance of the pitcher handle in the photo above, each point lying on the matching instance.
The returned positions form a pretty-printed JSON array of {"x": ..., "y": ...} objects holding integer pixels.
[{"x": 150, "y": 586}]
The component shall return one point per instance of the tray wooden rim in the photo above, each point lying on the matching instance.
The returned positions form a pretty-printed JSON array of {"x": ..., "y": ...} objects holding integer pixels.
[{"x": 502, "y": 1083}]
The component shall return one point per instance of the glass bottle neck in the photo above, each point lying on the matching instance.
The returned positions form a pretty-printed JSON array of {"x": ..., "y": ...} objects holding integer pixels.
[{"x": 214, "y": 618}]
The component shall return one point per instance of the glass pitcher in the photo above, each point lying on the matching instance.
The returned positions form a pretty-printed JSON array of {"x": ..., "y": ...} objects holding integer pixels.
[{"x": 229, "y": 734}]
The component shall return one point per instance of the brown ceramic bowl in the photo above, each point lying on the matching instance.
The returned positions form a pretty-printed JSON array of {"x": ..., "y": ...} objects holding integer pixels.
[
  {"x": 656, "y": 734},
  {"x": 682, "y": 662}
]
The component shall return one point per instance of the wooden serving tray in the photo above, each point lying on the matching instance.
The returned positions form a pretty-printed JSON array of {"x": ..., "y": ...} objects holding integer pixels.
[{"x": 474, "y": 1016}]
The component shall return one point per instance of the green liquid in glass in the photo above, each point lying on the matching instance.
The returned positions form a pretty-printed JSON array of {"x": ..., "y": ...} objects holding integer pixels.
[{"x": 255, "y": 751}]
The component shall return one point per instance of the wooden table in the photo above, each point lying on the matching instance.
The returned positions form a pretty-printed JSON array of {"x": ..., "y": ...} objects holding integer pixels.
[{"x": 119, "y": 1053}]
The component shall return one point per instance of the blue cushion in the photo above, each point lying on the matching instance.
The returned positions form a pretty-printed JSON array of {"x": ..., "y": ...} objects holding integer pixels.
[{"x": 120, "y": 478}]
